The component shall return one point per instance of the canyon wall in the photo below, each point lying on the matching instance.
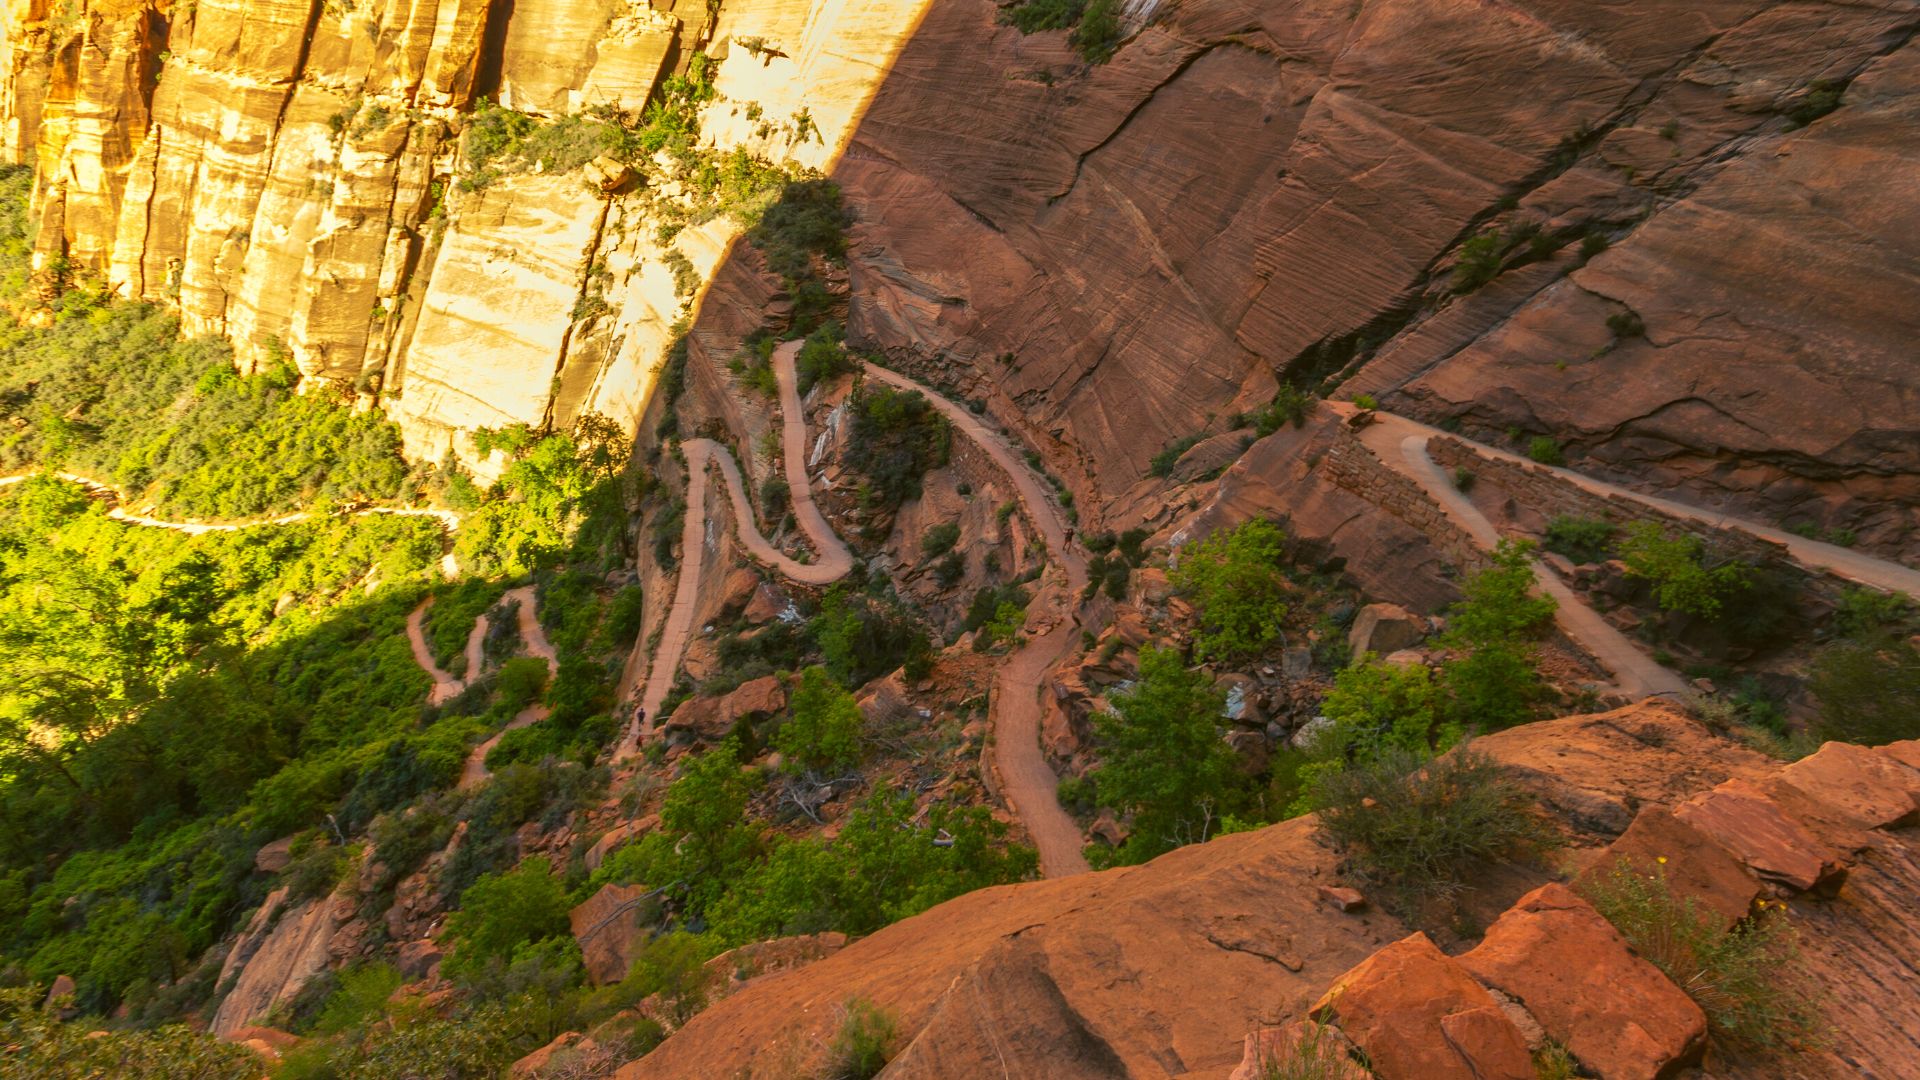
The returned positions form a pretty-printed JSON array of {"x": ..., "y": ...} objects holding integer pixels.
[
  {"x": 1284, "y": 190},
  {"x": 1673, "y": 237},
  {"x": 290, "y": 174}
]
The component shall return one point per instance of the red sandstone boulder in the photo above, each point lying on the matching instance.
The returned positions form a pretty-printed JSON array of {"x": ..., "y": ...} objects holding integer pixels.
[
  {"x": 712, "y": 718},
  {"x": 562, "y": 1051},
  {"x": 608, "y": 931},
  {"x": 1741, "y": 818},
  {"x": 1573, "y": 971},
  {"x": 1384, "y": 629},
  {"x": 1695, "y": 865},
  {"x": 1873, "y": 787},
  {"x": 1906, "y": 752},
  {"x": 274, "y": 857},
  {"x": 1418, "y": 1015}
]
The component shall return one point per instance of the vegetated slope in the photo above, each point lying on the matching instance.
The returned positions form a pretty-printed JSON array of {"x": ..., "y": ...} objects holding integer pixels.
[
  {"x": 1661, "y": 234},
  {"x": 1159, "y": 970}
]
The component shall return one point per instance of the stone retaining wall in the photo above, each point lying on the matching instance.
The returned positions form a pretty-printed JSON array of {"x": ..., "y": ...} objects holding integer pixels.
[
  {"x": 1350, "y": 465},
  {"x": 1540, "y": 488}
]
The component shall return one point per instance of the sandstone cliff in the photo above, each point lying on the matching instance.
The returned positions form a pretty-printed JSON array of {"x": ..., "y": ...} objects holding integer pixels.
[
  {"x": 288, "y": 174},
  {"x": 1285, "y": 190},
  {"x": 1690, "y": 264}
]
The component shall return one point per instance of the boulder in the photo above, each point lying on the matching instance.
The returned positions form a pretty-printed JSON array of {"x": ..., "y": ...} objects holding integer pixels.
[
  {"x": 270, "y": 1043},
  {"x": 1741, "y": 818},
  {"x": 274, "y": 857},
  {"x": 63, "y": 986},
  {"x": 1289, "y": 1051},
  {"x": 1696, "y": 866},
  {"x": 607, "y": 926},
  {"x": 1242, "y": 700},
  {"x": 1612, "y": 1010},
  {"x": 1906, "y": 752},
  {"x": 713, "y": 718},
  {"x": 419, "y": 959},
  {"x": 564, "y": 1049},
  {"x": 769, "y": 603},
  {"x": 1309, "y": 731},
  {"x": 1252, "y": 749},
  {"x": 1418, "y": 1015},
  {"x": 1874, "y": 787},
  {"x": 614, "y": 838},
  {"x": 1384, "y": 629},
  {"x": 1341, "y": 898}
]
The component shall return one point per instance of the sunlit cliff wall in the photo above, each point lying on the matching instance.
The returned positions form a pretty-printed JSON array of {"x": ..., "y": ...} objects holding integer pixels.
[{"x": 286, "y": 173}]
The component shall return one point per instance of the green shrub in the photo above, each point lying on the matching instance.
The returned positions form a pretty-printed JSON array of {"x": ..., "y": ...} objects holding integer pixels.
[
  {"x": 1235, "y": 581},
  {"x": 361, "y": 997},
  {"x": 1290, "y": 404},
  {"x": 862, "y": 1045},
  {"x": 1583, "y": 540},
  {"x": 1169, "y": 456},
  {"x": 1868, "y": 690},
  {"x": 862, "y": 637},
  {"x": 1868, "y": 613},
  {"x": 501, "y": 913},
  {"x": 1750, "y": 981},
  {"x": 1546, "y": 451},
  {"x": 1626, "y": 324},
  {"x": 1685, "y": 576},
  {"x": 521, "y": 682},
  {"x": 1162, "y": 758},
  {"x": 823, "y": 734},
  {"x": 822, "y": 357},
  {"x": 1417, "y": 825},
  {"x": 896, "y": 436},
  {"x": 940, "y": 539},
  {"x": 1480, "y": 260},
  {"x": 38, "y": 1044}
]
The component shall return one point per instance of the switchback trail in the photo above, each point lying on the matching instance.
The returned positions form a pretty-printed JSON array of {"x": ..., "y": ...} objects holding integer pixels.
[
  {"x": 1855, "y": 566},
  {"x": 1404, "y": 450},
  {"x": 533, "y": 639},
  {"x": 832, "y": 559},
  {"x": 1029, "y": 785},
  {"x": 1401, "y": 444}
]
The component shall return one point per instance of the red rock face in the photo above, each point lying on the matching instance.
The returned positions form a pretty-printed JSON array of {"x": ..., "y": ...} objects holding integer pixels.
[
  {"x": 1419, "y": 1015},
  {"x": 1614, "y": 1011},
  {"x": 1244, "y": 190}
]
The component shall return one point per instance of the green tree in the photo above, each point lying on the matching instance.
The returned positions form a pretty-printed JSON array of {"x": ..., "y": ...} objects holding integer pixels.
[
  {"x": 502, "y": 912},
  {"x": 1684, "y": 575},
  {"x": 823, "y": 733},
  {"x": 1495, "y": 684},
  {"x": 1163, "y": 758},
  {"x": 1234, "y": 579}
]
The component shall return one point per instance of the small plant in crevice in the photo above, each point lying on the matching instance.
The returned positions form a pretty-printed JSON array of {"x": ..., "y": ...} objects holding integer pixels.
[{"x": 1750, "y": 980}]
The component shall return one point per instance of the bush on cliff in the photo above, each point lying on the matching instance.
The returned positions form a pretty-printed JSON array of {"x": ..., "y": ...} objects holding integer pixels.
[
  {"x": 1235, "y": 581},
  {"x": 1162, "y": 758},
  {"x": 1417, "y": 825}
]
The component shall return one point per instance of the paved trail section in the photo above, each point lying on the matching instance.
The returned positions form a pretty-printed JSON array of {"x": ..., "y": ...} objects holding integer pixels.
[
  {"x": 1401, "y": 444},
  {"x": 1029, "y": 785},
  {"x": 1634, "y": 673}
]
